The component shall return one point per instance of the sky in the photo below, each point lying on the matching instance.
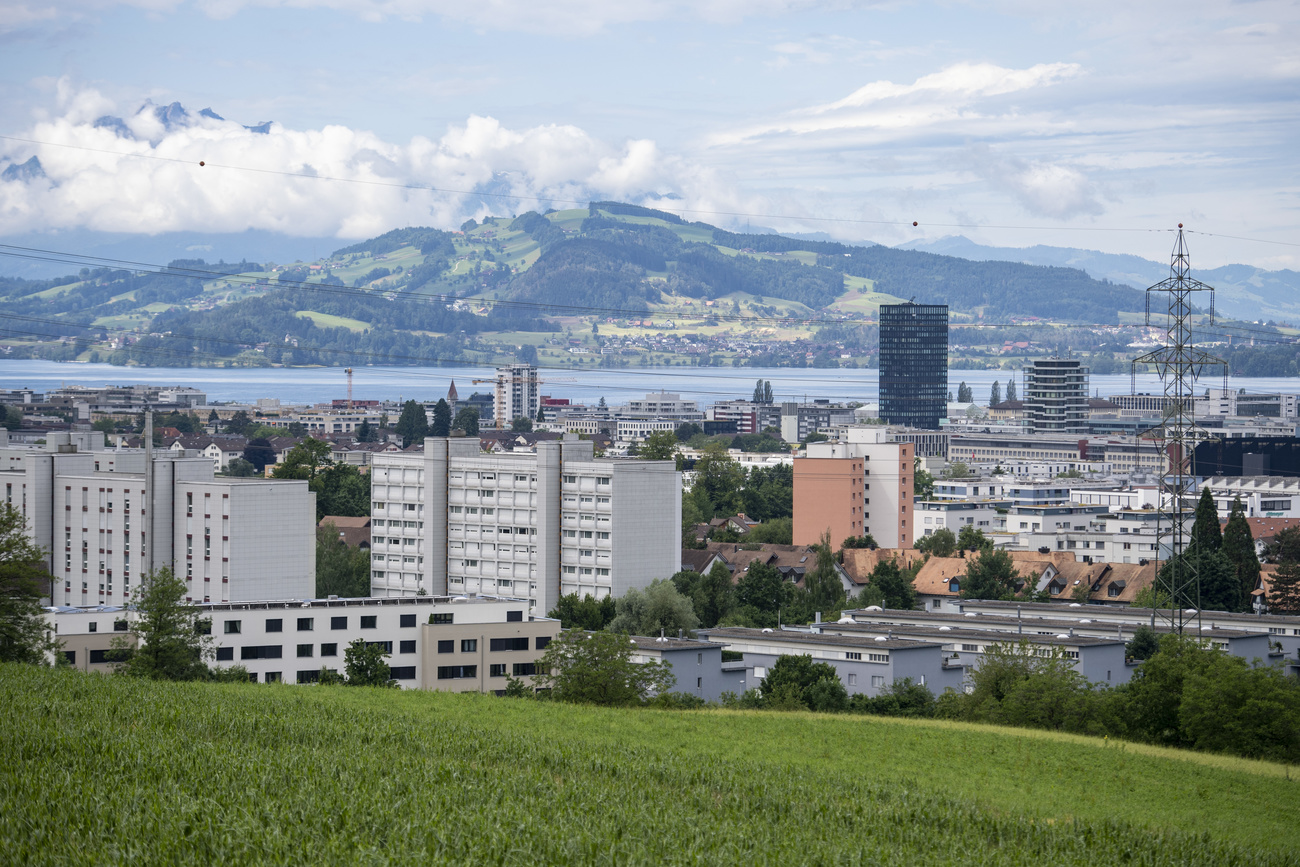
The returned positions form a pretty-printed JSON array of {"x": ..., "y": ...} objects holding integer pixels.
[{"x": 1099, "y": 125}]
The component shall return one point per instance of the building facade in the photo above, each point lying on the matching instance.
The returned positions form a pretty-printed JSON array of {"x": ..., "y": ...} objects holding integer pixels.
[
  {"x": 914, "y": 364},
  {"x": 1056, "y": 396},
  {"x": 825, "y": 498},
  {"x": 104, "y": 517},
  {"x": 517, "y": 394},
  {"x": 539, "y": 526}
]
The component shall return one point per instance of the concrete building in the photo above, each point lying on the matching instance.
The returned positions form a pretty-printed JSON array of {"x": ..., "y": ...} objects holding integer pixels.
[
  {"x": 537, "y": 525},
  {"x": 983, "y": 515},
  {"x": 914, "y": 364},
  {"x": 517, "y": 394},
  {"x": 457, "y": 644},
  {"x": 1056, "y": 396},
  {"x": 865, "y": 666},
  {"x": 695, "y": 663},
  {"x": 825, "y": 497},
  {"x": 663, "y": 405},
  {"x": 229, "y": 539}
]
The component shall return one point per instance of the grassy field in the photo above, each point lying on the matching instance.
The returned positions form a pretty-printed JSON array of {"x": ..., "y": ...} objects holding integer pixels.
[
  {"x": 329, "y": 320},
  {"x": 104, "y": 770}
]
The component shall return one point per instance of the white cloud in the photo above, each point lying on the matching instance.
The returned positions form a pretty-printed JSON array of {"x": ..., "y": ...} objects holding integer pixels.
[
  {"x": 1042, "y": 188},
  {"x": 951, "y": 94},
  {"x": 330, "y": 181}
]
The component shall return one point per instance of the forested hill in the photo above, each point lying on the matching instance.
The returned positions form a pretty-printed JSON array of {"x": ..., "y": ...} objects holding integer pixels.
[{"x": 420, "y": 295}]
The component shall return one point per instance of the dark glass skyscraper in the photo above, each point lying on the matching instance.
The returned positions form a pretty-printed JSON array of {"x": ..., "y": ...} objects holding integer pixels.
[{"x": 914, "y": 364}]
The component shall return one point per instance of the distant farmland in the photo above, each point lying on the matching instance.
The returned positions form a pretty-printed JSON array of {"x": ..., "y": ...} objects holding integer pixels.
[{"x": 105, "y": 770}]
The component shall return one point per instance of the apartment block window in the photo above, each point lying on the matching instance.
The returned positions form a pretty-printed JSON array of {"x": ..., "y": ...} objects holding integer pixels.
[
  {"x": 273, "y": 677},
  {"x": 306, "y": 624},
  {"x": 852, "y": 655},
  {"x": 457, "y": 672},
  {"x": 497, "y": 670},
  {"x": 407, "y": 621},
  {"x": 275, "y": 625},
  {"x": 542, "y": 642},
  {"x": 305, "y": 650},
  {"x": 329, "y": 650},
  {"x": 402, "y": 672},
  {"x": 877, "y": 681},
  {"x": 853, "y": 680},
  {"x": 469, "y": 645},
  {"x": 441, "y": 619},
  {"x": 525, "y": 669},
  {"x": 385, "y": 646},
  {"x": 970, "y": 648},
  {"x": 268, "y": 651},
  {"x": 233, "y": 627},
  {"x": 447, "y": 645},
  {"x": 225, "y": 654},
  {"x": 407, "y": 646},
  {"x": 338, "y": 623},
  {"x": 498, "y": 645},
  {"x": 368, "y": 621}
]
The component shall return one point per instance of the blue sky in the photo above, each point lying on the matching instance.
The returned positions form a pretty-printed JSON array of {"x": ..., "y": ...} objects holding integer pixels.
[{"x": 1081, "y": 125}]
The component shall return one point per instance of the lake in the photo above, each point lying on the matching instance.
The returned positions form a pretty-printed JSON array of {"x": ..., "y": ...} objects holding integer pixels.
[{"x": 705, "y": 384}]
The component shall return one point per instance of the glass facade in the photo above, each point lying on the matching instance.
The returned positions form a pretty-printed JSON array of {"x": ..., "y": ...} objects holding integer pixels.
[{"x": 914, "y": 364}]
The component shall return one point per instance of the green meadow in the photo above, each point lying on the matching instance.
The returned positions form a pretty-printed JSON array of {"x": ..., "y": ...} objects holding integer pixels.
[{"x": 107, "y": 770}]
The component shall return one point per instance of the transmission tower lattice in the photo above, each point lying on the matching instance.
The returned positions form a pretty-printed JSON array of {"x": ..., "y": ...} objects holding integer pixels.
[{"x": 1179, "y": 364}]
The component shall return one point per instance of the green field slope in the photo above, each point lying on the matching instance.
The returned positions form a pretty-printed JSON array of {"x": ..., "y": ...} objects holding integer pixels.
[{"x": 103, "y": 770}]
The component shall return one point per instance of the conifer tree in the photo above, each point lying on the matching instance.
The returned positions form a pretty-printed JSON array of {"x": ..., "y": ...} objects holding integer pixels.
[
  {"x": 1206, "y": 535},
  {"x": 1239, "y": 546},
  {"x": 995, "y": 393}
]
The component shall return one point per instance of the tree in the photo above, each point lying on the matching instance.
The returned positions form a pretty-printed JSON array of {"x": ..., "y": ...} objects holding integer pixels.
[
  {"x": 992, "y": 575},
  {"x": 995, "y": 393},
  {"x": 758, "y": 392},
  {"x": 597, "y": 668},
  {"x": 713, "y": 597},
  {"x": 441, "y": 426},
  {"x": 1011, "y": 389},
  {"x": 940, "y": 543},
  {"x": 1216, "y": 580},
  {"x": 971, "y": 539},
  {"x": 922, "y": 483},
  {"x": 964, "y": 394},
  {"x": 1015, "y": 685},
  {"x": 686, "y": 430},
  {"x": 894, "y": 584},
  {"x": 658, "y": 606},
  {"x": 1143, "y": 645},
  {"x": 297, "y": 429},
  {"x": 1239, "y": 548},
  {"x": 903, "y": 697},
  {"x": 366, "y": 432},
  {"x": 522, "y": 424},
  {"x": 762, "y": 589},
  {"x": 341, "y": 570},
  {"x": 718, "y": 481},
  {"x": 798, "y": 680},
  {"x": 1285, "y": 547},
  {"x": 467, "y": 420},
  {"x": 541, "y": 414},
  {"x": 585, "y": 613},
  {"x": 823, "y": 586},
  {"x": 660, "y": 445},
  {"x": 240, "y": 468},
  {"x": 957, "y": 470},
  {"x": 1206, "y": 536},
  {"x": 777, "y": 531},
  {"x": 864, "y": 541},
  {"x": 767, "y": 391},
  {"x": 304, "y": 461},
  {"x": 413, "y": 424},
  {"x": 365, "y": 666},
  {"x": 172, "y": 643},
  {"x": 1284, "y": 589},
  {"x": 23, "y": 581},
  {"x": 1230, "y": 706},
  {"x": 238, "y": 423},
  {"x": 260, "y": 453}
]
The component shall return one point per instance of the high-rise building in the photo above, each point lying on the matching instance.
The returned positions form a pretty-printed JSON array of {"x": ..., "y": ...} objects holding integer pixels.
[
  {"x": 1056, "y": 396},
  {"x": 103, "y": 520},
  {"x": 516, "y": 394},
  {"x": 539, "y": 526},
  {"x": 862, "y": 484},
  {"x": 914, "y": 364}
]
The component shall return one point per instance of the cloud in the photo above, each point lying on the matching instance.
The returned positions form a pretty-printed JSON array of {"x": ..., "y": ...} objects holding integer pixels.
[
  {"x": 140, "y": 173},
  {"x": 558, "y": 17},
  {"x": 950, "y": 94},
  {"x": 1042, "y": 188}
]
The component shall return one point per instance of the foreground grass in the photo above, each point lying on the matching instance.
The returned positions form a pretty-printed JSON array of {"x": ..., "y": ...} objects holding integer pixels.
[{"x": 106, "y": 770}]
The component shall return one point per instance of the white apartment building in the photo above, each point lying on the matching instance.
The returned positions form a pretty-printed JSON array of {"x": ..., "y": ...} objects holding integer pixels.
[
  {"x": 456, "y": 644},
  {"x": 228, "y": 539},
  {"x": 888, "y": 474},
  {"x": 934, "y": 515},
  {"x": 665, "y": 405},
  {"x": 639, "y": 428},
  {"x": 1056, "y": 396},
  {"x": 543, "y": 525},
  {"x": 517, "y": 394}
]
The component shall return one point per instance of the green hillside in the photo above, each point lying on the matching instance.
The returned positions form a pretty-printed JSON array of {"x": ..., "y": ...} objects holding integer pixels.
[
  {"x": 112, "y": 770},
  {"x": 424, "y": 296}
]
